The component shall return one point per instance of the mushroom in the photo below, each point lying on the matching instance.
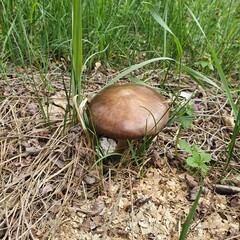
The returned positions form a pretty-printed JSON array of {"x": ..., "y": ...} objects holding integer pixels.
[{"x": 128, "y": 111}]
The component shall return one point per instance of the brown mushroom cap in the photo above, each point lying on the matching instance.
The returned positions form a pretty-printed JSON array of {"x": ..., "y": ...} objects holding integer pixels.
[{"x": 128, "y": 111}]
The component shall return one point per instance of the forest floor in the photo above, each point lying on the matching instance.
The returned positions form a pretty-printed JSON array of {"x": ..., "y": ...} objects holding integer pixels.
[{"x": 51, "y": 188}]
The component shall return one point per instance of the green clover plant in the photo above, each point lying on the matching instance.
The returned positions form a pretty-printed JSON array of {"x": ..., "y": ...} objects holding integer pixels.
[{"x": 198, "y": 159}]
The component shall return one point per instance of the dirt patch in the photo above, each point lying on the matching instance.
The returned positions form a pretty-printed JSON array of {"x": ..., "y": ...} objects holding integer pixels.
[
  {"x": 49, "y": 189},
  {"x": 151, "y": 208}
]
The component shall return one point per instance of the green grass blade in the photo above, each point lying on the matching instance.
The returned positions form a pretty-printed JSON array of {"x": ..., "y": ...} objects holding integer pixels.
[
  {"x": 166, "y": 28},
  {"x": 190, "y": 216},
  {"x": 165, "y": 31},
  {"x": 197, "y": 75},
  {"x": 135, "y": 67},
  {"x": 218, "y": 66},
  {"x": 233, "y": 140},
  {"x": 7, "y": 36},
  {"x": 77, "y": 48}
]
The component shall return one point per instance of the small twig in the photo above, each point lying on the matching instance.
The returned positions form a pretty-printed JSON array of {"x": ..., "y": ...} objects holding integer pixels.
[
  {"x": 233, "y": 237},
  {"x": 226, "y": 190}
]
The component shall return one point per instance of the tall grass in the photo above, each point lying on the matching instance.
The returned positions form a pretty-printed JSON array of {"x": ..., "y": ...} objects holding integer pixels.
[
  {"x": 46, "y": 24},
  {"x": 125, "y": 27},
  {"x": 77, "y": 53}
]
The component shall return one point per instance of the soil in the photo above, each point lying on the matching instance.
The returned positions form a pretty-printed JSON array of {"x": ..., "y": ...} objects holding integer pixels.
[{"x": 53, "y": 187}]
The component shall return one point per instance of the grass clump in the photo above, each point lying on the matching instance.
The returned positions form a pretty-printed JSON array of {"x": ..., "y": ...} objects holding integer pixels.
[{"x": 42, "y": 31}]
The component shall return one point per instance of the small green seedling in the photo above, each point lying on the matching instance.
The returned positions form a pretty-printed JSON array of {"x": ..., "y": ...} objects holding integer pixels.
[
  {"x": 186, "y": 116},
  {"x": 198, "y": 159}
]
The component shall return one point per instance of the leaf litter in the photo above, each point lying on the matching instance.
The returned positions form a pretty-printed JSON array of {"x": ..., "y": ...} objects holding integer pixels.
[{"x": 48, "y": 188}]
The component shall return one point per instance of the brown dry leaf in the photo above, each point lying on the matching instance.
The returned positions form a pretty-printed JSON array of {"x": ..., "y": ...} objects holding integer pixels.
[
  {"x": 96, "y": 221},
  {"x": 193, "y": 192},
  {"x": 17, "y": 178},
  {"x": 24, "y": 162},
  {"x": 203, "y": 207},
  {"x": 123, "y": 202},
  {"x": 96, "y": 208},
  {"x": 32, "y": 108},
  {"x": 46, "y": 189},
  {"x": 59, "y": 163},
  {"x": 57, "y": 157},
  {"x": 86, "y": 226},
  {"x": 121, "y": 233},
  {"x": 97, "y": 66},
  {"x": 56, "y": 106},
  {"x": 19, "y": 69},
  {"x": 229, "y": 120},
  {"x": 235, "y": 201},
  {"x": 89, "y": 180},
  {"x": 55, "y": 206},
  {"x": 191, "y": 182},
  {"x": 218, "y": 226},
  {"x": 233, "y": 179},
  {"x": 32, "y": 151},
  {"x": 113, "y": 189}
]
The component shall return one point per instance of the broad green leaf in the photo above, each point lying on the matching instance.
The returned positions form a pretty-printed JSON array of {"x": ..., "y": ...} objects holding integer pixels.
[
  {"x": 187, "y": 122},
  {"x": 205, "y": 157},
  {"x": 185, "y": 146},
  {"x": 191, "y": 162},
  {"x": 203, "y": 168},
  {"x": 190, "y": 109},
  {"x": 195, "y": 149}
]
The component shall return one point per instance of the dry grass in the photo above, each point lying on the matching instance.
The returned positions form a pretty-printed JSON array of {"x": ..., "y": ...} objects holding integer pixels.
[
  {"x": 43, "y": 185},
  {"x": 40, "y": 171}
]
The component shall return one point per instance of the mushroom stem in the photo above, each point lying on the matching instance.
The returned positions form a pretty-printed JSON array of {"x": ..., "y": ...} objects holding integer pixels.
[{"x": 121, "y": 146}]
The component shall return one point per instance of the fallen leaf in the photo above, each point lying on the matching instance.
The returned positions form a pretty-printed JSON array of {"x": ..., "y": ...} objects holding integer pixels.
[
  {"x": 235, "y": 201},
  {"x": 143, "y": 224},
  {"x": 191, "y": 182},
  {"x": 186, "y": 95},
  {"x": 59, "y": 163},
  {"x": 89, "y": 180},
  {"x": 55, "y": 206},
  {"x": 194, "y": 192},
  {"x": 97, "y": 66},
  {"x": 56, "y": 106},
  {"x": 32, "y": 151},
  {"x": 32, "y": 108},
  {"x": 46, "y": 189},
  {"x": 229, "y": 120},
  {"x": 108, "y": 145},
  {"x": 96, "y": 208}
]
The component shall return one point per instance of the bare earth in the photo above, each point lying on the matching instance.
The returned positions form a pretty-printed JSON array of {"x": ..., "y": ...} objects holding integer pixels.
[{"x": 50, "y": 187}]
